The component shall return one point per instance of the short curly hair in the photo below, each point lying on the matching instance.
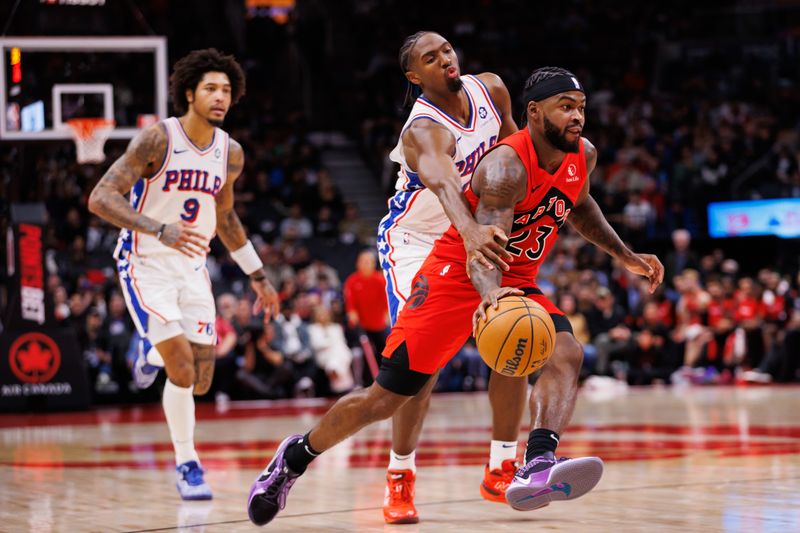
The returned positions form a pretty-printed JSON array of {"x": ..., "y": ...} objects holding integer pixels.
[{"x": 190, "y": 69}]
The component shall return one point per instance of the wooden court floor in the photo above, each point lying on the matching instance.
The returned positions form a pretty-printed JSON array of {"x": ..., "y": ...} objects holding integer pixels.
[{"x": 683, "y": 460}]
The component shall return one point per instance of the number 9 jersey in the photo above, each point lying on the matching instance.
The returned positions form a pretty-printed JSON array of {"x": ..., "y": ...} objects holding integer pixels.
[
  {"x": 537, "y": 218},
  {"x": 184, "y": 188}
]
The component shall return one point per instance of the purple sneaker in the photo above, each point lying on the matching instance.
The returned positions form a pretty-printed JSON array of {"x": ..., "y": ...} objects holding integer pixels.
[
  {"x": 546, "y": 479},
  {"x": 268, "y": 493}
]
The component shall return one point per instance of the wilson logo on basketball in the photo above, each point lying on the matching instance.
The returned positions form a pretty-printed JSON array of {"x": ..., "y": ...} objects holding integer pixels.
[
  {"x": 419, "y": 292},
  {"x": 34, "y": 358},
  {"x": 512, "y": 364}
]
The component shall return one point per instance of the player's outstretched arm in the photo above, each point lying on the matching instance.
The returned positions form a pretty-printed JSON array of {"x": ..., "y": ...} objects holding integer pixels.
[
  {"x": 499, "y": 181},
  {"x": 588, "y": 220},
  {"x": 233, "y": 236},
  {"x": 428, "y": 149},
  {"x": 143, "y": 157}
]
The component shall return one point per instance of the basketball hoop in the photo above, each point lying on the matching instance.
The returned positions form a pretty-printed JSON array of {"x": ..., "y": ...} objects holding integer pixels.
[{"x": 90, "y": 136}]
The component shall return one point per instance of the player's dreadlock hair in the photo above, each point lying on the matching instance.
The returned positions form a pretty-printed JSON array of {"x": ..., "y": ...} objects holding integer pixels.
[
  {"x": 189, "y": 70},
  {"x": 412, "y": 91}
]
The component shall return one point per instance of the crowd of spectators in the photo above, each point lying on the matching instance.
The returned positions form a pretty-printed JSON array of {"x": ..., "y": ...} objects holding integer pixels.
[
  {"x": 309, "y": 238},
  {"x": 675, "y": 128}
]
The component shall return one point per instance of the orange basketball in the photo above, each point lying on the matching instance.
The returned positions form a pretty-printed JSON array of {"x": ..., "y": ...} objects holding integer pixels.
[{"x": 517, "y": 338}]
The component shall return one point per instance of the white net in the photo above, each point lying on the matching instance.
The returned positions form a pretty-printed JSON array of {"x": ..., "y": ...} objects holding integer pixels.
[{"x": 90, "y": 136}]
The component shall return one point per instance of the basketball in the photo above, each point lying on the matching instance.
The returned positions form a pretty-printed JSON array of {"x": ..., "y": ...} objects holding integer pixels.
[{"x": 517, "y": 338}]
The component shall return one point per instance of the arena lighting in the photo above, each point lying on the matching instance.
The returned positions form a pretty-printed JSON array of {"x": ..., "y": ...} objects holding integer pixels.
[
  {"x": 16, "y": 65},
  {"x": 88, "y": 3},
  {"x": 277, "y": 10}
]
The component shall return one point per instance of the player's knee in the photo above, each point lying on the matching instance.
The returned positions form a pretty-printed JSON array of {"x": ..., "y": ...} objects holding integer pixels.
[
  {"x": 422, "y": 400},
  {"x": 567, "y": 356},
  {"x": 383, "y": 404},
  {"x": 182, "y": 374}
]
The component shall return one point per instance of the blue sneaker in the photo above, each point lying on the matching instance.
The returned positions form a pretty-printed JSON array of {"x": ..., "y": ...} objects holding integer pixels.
[
  {"x": 191, "y": 485},
  {"x": 144, "y": 374},
  {"x": 268, "y": 493}
]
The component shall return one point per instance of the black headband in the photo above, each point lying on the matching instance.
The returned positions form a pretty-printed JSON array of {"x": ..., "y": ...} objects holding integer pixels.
[{"x": 550, "y": 86}]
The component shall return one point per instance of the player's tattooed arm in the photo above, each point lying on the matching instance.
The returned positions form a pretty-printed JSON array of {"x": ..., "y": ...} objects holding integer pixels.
[
  {"x": 229, "y": 227},
  {"x": 500, "y": 182},
  {"x": 203, "y": 368},
  {"x": 144, "y": 155},
  {"x": 589, "y": 221},
  {"x": 429, "y": 149}
]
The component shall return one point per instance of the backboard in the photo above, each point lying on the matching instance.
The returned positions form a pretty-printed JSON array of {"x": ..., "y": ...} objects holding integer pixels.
[{"x": 45, "y": 81}]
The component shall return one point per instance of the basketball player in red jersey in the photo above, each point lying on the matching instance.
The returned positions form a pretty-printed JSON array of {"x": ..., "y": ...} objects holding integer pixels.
[{"x": 527, "y": 186}]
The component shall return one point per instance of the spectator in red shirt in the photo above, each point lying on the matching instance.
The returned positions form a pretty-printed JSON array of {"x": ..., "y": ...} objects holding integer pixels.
[
  {"x": 365, "y": 302},
  {"x": 749, "y": 316}
]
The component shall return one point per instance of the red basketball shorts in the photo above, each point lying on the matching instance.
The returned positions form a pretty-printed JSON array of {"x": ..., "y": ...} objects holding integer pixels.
[{"x": 437, "y": 318}]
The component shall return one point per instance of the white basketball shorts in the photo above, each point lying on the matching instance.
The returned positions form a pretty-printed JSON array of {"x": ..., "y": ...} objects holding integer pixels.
[
  {"x": 402, "y": 252},
  {"x": 169, "y": 295}
]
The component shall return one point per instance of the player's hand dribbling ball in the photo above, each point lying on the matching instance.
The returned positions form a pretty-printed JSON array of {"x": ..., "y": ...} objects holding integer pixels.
[{"x": 517, "y": 338}]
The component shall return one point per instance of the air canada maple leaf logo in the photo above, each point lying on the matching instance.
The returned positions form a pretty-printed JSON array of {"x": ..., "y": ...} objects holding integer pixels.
[{"x": 34, "y": 358}]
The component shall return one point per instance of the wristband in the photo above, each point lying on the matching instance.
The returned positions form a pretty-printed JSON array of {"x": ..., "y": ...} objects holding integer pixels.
[
  {"x": 247, "y": 258},
  {"x": 160, "y": 231}
]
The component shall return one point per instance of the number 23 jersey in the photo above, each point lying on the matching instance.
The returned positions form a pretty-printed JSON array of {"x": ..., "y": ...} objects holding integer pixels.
[
  {"x": 184, "y": 188},
  {"x": 537, "y": 218}
]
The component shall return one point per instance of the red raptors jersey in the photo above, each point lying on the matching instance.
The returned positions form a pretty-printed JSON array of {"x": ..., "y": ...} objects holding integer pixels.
[{"x": 537, "y": 218}]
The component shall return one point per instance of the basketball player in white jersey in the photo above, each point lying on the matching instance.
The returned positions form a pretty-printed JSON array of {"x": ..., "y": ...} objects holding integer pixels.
[
  {"x": 452, "y": 123},
  {"x": 180, "y": 174}
]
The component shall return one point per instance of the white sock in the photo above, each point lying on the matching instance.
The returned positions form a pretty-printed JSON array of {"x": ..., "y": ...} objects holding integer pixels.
[
  {"x": 179, "y": 408},
  {"x": 500, "y": 451},
  {"x": 153, "y": 357},
  {"x": 402, "y": 462}
]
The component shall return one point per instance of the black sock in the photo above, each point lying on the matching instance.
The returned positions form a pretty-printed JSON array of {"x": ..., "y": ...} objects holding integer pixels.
[
  {"x": 541, "y": 441},
  {"x": 299, "y": 455}
]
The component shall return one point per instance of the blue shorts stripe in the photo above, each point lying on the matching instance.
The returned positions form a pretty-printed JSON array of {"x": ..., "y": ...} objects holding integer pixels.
[
  {"x": 140, "y": 316},
  {"x": 391, "y": 297},
  {"x": 397, "y": 207}
]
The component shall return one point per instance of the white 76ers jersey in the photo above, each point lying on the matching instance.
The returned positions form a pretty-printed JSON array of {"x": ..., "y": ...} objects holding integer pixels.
[
  {"x": 416, "y": 208},
  {"x": 184, "y": 188}
]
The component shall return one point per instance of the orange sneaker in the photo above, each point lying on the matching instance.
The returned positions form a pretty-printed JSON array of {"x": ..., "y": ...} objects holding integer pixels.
[
  {"x": 398, "y": 501},
  {"x": 495, "y": 482}
]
